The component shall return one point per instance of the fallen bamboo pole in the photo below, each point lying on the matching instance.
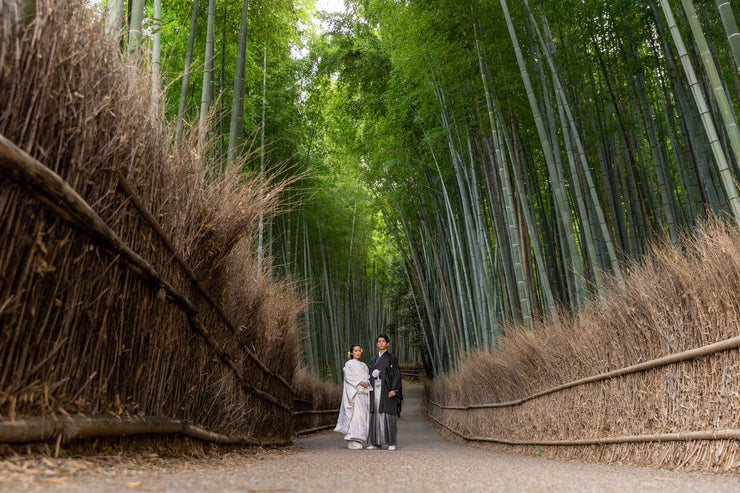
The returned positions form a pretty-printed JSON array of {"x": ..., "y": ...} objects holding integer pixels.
[
  {"x": 724, "y": 434},
  {"x": 727, "y": 344},
  {"x": 43, "y": 428}
]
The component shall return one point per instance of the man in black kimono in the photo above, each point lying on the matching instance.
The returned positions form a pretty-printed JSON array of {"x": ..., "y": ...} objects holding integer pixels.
[{"x": 385, "y": 390}]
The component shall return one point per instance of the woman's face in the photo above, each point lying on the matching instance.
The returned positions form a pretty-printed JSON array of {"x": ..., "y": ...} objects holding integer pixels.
[{"x": 356, "y": 352}]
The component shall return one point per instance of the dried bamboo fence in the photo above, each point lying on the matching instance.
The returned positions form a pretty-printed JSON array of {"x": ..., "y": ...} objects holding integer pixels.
[
  {"x": 676, "y": 315},
  {"x": 129, "y": 297},
  {"x": 717, "y": 434},
  {"x": 559, "y": 420},
  {"x": 58, "y": 196},
  {"x": 616, "y": 408},
  {"x": 413, "y": 373}
]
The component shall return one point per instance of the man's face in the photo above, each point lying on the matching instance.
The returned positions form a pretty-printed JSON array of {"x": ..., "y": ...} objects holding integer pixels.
[{"x": 382, "y": 344}]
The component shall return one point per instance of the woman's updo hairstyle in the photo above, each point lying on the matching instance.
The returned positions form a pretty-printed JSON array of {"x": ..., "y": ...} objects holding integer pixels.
[{"x": 352, "y": 348}]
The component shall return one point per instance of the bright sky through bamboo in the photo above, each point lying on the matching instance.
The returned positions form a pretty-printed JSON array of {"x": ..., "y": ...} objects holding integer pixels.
[{"x": 330, "y": 5}]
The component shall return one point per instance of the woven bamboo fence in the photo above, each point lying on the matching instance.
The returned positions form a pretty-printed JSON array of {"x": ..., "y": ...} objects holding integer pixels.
[
  {"x": 130, "y": 301},
  {"x": 648, "y": 375}
]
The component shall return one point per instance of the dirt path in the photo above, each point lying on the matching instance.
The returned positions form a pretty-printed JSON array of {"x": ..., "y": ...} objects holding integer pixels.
[{"x": 423, "y": 462}]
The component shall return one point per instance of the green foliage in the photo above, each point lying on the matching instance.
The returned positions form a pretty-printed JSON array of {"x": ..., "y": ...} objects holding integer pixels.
[
  {"x": 405, "y": 99},
  {"x": 427, "y": 158},
  {"x": 273, "y": 27}
]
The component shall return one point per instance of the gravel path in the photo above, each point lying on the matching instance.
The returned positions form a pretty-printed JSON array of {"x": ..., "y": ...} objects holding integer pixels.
[{"x": 424, "y": 461}]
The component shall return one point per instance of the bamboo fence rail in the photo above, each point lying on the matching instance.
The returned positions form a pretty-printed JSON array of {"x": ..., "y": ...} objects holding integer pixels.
[
  {"x": 315, "y": 411},
  {"x": 36, "y": 429},
  {"x": 653, "y": 437},
  {"x": 314, "y": 430},
  {"x": 413, "y": 373}
]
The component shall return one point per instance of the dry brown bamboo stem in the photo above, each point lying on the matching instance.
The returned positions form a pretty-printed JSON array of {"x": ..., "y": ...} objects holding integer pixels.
[
  {"x": 316, "y": 411},
  {"x": 50, "y": 189},
  {"x": 312, "y": 430},
  {"x": 725, "y": 434},
  {"x": 139, "y": 205},
  {"x": 42, "y": 428},
  {"x": 716, "y": 347}
]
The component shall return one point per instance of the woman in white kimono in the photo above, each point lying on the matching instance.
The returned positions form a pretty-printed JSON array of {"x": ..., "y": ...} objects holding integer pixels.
[{"x": 354, "y": 412}]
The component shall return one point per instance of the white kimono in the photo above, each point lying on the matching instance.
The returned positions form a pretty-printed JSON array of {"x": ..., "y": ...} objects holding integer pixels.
[{"x": 354, "y": 412}]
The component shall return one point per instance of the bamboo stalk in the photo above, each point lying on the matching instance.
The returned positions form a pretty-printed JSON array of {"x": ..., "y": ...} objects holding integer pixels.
[
  {"x": 722, "y": 166},
  {"x": 727, "y": 344}
]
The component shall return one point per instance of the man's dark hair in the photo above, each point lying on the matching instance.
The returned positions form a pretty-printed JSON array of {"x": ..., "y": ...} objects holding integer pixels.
[{"x": 387, "y": 339}]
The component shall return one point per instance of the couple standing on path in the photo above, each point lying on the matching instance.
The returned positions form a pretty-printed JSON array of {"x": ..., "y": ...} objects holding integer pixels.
[{"x": 370, "y": 398}]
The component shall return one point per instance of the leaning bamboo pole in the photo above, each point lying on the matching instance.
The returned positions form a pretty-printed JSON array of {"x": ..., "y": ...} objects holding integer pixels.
[
  {"x": 138, "y": 204},
  {"x": 726, "y": 345},
  {"x": 66, "y": 427},
  {"x": 722, "y": 100},
  {"x": 730, "y": 25},
  {"x": 572, "y": 255}
]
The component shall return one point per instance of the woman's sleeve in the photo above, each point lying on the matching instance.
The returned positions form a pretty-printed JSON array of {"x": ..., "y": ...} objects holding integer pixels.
[{"x": 353, "y": 375}]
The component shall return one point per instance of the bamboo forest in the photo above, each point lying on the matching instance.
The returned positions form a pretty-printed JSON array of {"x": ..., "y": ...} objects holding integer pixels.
[
  {"x": 204, "y": 204},
  {"x": 463, "y": 166}
]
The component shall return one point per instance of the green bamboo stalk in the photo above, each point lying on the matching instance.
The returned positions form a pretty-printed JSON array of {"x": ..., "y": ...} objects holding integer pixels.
[
  {"x": 206, "y": 91},
  {"x": 723, "y": 101},
  {"x": 114, "y": 19},
  {"x": 728, "y": 22},
  {"x": 156, "y": 55},
  {"x": 261, "y": 224},
  {"x": 135, "y": 29},
  {"x": 186, "y": 72},
  {"x": 583, "y": 161},
  {"x": 237, "y": 100},
  {"x": 560, "y": 198},
  {"x": 727, "y": 180},
  {"x": 507, "y": 190}
]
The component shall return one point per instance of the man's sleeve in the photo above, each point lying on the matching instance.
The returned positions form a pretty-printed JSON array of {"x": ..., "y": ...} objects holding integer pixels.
[{"x": 396, "y": 375}]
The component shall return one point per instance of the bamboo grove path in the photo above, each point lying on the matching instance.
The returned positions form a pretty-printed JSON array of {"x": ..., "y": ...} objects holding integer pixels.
[{"x": 424, "y": 462}]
